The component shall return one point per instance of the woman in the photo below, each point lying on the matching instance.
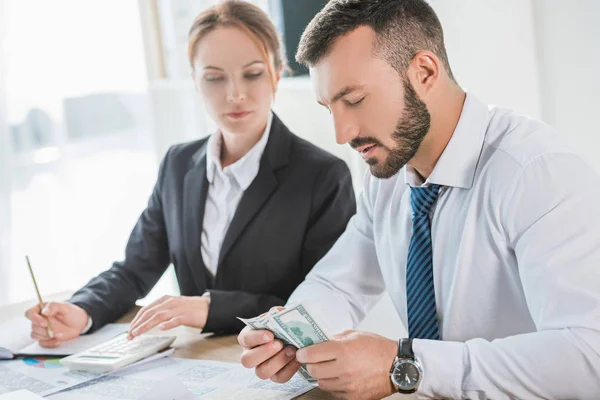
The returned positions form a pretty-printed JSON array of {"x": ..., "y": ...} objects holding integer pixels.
[{"x": 243, "y": 214}]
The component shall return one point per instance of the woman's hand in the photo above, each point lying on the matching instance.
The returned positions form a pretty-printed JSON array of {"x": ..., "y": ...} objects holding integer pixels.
[{"x": 169, "y": 312}]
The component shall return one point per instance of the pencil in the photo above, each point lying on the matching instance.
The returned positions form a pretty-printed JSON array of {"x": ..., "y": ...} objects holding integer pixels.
[{"x": 39, "y": 296}]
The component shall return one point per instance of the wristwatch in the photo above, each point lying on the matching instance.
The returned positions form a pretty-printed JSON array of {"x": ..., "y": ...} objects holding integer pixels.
[{"x": 406, "y": 373}]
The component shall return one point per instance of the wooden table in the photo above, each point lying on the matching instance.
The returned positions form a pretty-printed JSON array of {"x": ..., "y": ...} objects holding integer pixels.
[{"x": 190, "y": 343}]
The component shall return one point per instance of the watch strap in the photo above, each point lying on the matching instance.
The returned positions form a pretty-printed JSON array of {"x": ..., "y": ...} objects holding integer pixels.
[{"x": 405, "y": 349}]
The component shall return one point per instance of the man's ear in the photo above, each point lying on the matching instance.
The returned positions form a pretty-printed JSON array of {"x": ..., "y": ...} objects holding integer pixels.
[{"x": 424, "y": 72}]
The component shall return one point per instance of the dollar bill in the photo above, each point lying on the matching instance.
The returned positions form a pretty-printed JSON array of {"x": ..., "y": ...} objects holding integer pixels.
[
  {"x": 300, "y": 326},
  {"x": 294, "y": 326}
]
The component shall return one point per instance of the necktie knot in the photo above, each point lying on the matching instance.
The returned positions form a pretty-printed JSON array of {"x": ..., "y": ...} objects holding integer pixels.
[{"x": 422, "y": 198}]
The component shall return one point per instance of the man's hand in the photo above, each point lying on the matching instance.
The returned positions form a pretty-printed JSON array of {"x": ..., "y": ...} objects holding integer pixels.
[
  {"x": 170, "y": 312},
  {"x": 354, "y": 365},
  {"x": 67, "y": 321},
  {"x": 267, "y": 355}
]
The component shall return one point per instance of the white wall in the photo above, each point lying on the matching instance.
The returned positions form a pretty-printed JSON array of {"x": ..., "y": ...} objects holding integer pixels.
[
  {"x": 492, "y": 51},
  {"x": 568, "y": 37}
]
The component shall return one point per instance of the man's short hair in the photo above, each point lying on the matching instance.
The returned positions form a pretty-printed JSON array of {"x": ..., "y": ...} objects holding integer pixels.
[{"x": 403, "y": 28}]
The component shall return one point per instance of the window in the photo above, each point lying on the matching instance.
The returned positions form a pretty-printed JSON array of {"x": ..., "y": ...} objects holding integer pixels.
[{"x": 77, "y": 140}]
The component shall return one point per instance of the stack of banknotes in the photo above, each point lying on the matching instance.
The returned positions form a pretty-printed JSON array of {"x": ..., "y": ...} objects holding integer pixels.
[{"x": 294, "y": 326}]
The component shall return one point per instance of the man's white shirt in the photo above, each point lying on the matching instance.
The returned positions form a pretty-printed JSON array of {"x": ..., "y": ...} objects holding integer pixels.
[{"x": 516, "y": 258}]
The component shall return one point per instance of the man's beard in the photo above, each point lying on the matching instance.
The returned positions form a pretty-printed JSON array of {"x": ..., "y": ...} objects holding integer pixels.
[{"x": 411, "y": 129}]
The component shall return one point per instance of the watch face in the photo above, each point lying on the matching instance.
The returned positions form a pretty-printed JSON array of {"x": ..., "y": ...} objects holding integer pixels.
[{"x": 406, "y": 375}]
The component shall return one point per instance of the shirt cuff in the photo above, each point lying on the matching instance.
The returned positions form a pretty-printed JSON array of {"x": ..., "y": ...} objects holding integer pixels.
[
  {"x": 443, "y": 368},
  {"x": 207, "y": 294},
  {"x": 88, "y": 326}
]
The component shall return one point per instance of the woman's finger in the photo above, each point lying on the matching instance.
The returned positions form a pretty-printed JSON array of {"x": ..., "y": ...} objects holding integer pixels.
[
  {"x": 52, "y": 343},
  {"x": 144, "y": 315},
  {"x": 40, "y": 331},
  {"x": 152, "y": 321},
  {"x": 40, "y": 336},
  {"x": 172, "y": 323},
  {"x": 148, "y": 307},
  {"x": 33, "y": 314}
]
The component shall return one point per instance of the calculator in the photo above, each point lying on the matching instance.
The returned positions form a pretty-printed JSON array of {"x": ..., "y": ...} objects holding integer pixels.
[{"x": 117, "y": 353}]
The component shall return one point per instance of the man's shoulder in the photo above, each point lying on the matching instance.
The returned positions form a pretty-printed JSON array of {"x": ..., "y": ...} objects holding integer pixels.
[
  {"x": 513, "y": 138},
  {"x": 518, "y": 147}
]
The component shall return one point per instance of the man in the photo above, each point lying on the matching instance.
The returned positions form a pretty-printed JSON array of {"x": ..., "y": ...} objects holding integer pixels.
[{"x": 480, "y": 223}]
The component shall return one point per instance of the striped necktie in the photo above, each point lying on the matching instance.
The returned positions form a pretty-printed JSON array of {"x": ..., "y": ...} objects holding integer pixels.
[{"x": 420, "y": 293}]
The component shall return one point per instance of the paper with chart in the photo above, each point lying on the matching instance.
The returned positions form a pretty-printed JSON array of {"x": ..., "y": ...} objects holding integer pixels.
[
  {"x": 44, "y": 376},
  {"x": 15, "y": 339},
  {"x": 39, "y": 375},
  {"x": 205, "y": 380},
  {"x": 294, "y": 326}
]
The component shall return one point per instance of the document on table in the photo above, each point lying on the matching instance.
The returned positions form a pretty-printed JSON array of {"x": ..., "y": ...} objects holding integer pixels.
[
  {"x": 15, "y": 340},
  {"x": 194, "y": 379},
  {"x": 15, "y": 334},
  {"x": 44, "y": 376},
  {"x": 20, "y": 395},
  {"x": 41, "y": 376}
]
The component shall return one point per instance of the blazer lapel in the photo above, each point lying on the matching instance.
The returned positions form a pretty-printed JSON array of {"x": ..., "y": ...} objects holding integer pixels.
[
  {"x": 275, "y": 156},
  {"x": 195, "y": 190},
  {"x": 252, "y": 200}
]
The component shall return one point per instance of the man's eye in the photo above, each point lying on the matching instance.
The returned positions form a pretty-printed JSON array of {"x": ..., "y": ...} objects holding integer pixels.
[{"x": 354, "y": 103}]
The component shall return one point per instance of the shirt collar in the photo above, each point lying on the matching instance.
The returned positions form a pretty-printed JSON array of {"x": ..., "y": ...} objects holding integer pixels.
[
  {"x": 457, "y": 165},
  {"x": 243, "y": 170}
]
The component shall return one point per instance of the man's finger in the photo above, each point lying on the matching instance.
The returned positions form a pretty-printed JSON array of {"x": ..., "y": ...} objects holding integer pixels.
[
  {"x": 317, "y": 353},
  {"x": 287, "y": 372},
  {"x": 276, "y": 363},
  {"x": 249, "y": 338},
  {"x": 252, "y": 358}
]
